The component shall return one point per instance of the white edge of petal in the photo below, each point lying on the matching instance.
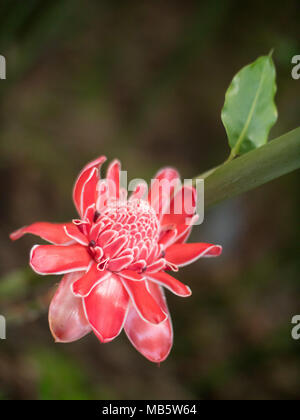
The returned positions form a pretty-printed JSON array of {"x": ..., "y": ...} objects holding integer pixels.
[
  {"x": 136, "y": 308},
  {"x": 171, "y": 327},
  {"x": 95, "y": 169},
  {"x": 203, "y": 254},
  {"x": 95, "y": 329},
  {"x": 74, "y": 238},
  {"x": 92, "y": 288},
  {"x": 126, "y": 277},
  {"x": 55, "y": 272},
  {"x": 42, "y": 237},
  {"x": 169, "y": 288}
]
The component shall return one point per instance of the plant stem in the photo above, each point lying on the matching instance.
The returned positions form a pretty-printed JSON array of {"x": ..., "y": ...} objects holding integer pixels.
[{"x": 277, "y": 158}]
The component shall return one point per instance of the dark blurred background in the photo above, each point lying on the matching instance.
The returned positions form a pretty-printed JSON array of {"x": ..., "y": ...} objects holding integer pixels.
[{"x": 145, "y": 82}]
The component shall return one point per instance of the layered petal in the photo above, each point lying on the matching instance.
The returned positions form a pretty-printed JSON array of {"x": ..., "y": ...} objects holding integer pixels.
[
  {"x": 102, "y": 195},
  {"x": 183, "y": 254},
  {"x": 89, "y": 192},
  {"x": 114, "y": 247},
  {"x": 113, "y": 179},
  {"x": 144, "y": 302},
  {"x": 157, "y": 265},
  {"x": 167, "y": 237},
  {"x": 181, "y": 211},
  {"x": 51, "y": 232},
  {"x": 85, "y": 284},
  {"x": 67, "y": 319},
  {"x": 184, "y": 231},
  {"x": 106, "y": 308},
  {"x": 52, "y": 259},
  {"x": 84, "y": 191},
  {"x": 118, "y": 264},
  {"x": 139, "y": 192},
  {"x": 174, "y": 285},
  {"x": 162, "y": 189},
  {"x": 73, "y": 232},
  {"x": 153, "y": 341},
  {"x": 131, "y": 275}
]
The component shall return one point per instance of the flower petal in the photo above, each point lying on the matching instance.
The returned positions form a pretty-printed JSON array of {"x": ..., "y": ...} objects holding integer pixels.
[
  {"x": 158, "y": 265},
  {"x": 83, "y": 286},
  {"x": 162, "y": 189},
  {"x": 67, "y": 319},
  {"x": 184, "y": 230},
  {"x": 53, "y": 259},
  {"x": 113, "y": 179},
  {"x": 102, "y": 195},
  {"x": 183, "y": 254},
  {"x": 106, "y": 308},
  {"x": 80, "y": 184},
  {"x": 170, "y": 283},
  {"x": 51, "y": 232},
  {"x": 153, "y": 341},
  {"x": 118, "y": 264},
  {"x": 113, "y": 248},
  {"x": 74, "y": 234},
  {"x": 139, "y": 192},
  {"x": 182, "y": 208},
  {"x": 131, "y": 275},
  {"x": 144, "y": 302},
  {"x": 137, "y": 266},
  {"x": 89, "y": 192},
  {"x": 167, "y": 237}
]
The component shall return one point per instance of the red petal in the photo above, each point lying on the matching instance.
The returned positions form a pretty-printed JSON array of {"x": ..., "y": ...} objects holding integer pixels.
[
  {"x": 184, "y": 231},
  {"x": 137, "y": 266},
  {"x": 106, "y": 308},
  {"x": 152, "y": 341},
  {"x": 183, "y": 254},
  {"x": 170, "y": 283},
  {"x": 182, "y": 207},
  {"x": 51, "y": 232},
  {"x": 89, "y": 191},
  {"x": 103, "y": 195},
  {"x": 114, "y": 247},
  {"x": 53, "y": 259},
  {"x": 162, "y": 189},
  {"x": 83, "y": 286},
  {"x": 168, "y": 237},
  {"x": 90, "y": 214},
  {"x": 106, "y": 237},
  {"x": 139, "y": 192},
  {"x": 113, "y": 178},
  {"x": 131, "y": 275},
  {"x": 157, "y": 265},
  {"x": 74, "y": 234},
  {"x": 67, "y": 319},
  {"x": 144, "y": 303},
  {"x": 86, "y": 175},
  {"x": 118, "y": 264}
]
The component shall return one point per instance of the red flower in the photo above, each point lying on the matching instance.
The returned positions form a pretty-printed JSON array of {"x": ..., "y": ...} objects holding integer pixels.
[{"x": 114, "y": 259}]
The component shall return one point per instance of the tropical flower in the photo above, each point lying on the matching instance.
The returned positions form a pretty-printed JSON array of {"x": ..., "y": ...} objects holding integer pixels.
[{"x": 114, "y": 258}]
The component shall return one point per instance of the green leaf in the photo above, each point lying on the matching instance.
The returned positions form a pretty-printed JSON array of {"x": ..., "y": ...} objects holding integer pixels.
[{"x": 249, "y": 110}]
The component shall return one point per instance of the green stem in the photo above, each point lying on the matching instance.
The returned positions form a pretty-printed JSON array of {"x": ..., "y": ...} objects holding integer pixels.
[
  {"x": 277, "y": 158},
  {"x": 205, "y": 174}
]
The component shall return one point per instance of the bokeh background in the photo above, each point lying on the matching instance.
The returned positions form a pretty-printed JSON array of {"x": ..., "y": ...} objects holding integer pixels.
[{"x": 145, "y": 82}]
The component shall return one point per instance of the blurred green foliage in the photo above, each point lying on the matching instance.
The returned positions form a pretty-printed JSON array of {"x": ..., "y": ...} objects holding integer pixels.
[{"x": 60, "y": 378}]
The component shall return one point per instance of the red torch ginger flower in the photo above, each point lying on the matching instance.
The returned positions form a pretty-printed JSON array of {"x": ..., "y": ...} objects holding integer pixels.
[{"x": 115, "y": 256}]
